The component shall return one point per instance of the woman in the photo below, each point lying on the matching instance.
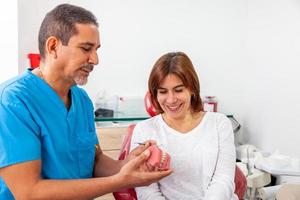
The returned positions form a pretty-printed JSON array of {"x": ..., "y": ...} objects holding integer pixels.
[{"x": 200, "y": 143}]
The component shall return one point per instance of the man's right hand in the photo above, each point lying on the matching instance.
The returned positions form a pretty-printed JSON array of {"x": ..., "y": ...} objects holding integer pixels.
[{"x": 134, "y": 173}]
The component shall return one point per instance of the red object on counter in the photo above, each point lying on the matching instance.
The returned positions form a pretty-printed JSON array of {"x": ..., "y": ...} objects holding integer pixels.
[
  {"x": 210, "y": 103},
  {"x": 34, "y": 59}
]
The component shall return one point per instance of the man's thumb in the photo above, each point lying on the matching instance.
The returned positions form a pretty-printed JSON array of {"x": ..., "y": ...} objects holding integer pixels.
[{"x": 141, "y": 158}]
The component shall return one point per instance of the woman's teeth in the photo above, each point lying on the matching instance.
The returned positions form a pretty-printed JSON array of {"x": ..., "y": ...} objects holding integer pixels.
[{"x": 173, "y": 108}]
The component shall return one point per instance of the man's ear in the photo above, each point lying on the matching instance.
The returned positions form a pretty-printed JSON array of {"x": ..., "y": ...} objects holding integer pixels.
[{"x": 52, "y": 44}]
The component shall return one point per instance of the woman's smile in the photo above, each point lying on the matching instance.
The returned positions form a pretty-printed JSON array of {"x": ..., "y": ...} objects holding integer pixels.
[{"x": 174, "y": 108}]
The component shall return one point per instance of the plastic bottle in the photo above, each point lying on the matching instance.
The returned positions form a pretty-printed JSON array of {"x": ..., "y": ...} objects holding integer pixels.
[{"x": 210, "y": 104}]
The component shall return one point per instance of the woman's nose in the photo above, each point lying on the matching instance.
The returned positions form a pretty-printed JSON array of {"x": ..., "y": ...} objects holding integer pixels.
[{"x": 171, "y": 98}]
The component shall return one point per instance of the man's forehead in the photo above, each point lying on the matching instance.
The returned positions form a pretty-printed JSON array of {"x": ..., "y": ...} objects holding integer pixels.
[
  {"x": 83, "y": 27},
  {"x": 84, "y": 41},
  {"x": 87, "y": 34}
]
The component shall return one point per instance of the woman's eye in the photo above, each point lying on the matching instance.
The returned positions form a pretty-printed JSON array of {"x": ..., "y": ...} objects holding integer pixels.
[
  {"x": 162, "y": 92},
  {"x": 179, "y": 90}
]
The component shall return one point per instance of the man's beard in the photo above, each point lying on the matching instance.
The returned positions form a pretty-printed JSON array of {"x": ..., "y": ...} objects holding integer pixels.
[{"x": 81, "y": 79}]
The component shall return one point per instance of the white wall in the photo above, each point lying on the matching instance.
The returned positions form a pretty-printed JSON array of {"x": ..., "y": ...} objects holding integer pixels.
[
  {"x": 135, "y": 33},
  {"x": 271, "y": 87},
  {"x": 245, "y": 52},
  {"x": 31, "y": 14},
  {"x": 9, "y": 40}
]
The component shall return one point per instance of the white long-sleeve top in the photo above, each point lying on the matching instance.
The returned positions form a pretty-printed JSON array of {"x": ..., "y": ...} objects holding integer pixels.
[{"x": 203, "y": 159}]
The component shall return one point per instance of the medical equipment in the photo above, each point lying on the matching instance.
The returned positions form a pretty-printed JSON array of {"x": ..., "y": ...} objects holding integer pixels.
[{"x": 267, "y": 193}]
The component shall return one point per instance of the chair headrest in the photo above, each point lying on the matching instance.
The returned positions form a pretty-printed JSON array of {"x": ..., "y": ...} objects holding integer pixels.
[{"x": 148, "y": 105}]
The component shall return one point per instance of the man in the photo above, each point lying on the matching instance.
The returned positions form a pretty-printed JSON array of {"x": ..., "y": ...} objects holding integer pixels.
[{"x": 48, "y": 145}]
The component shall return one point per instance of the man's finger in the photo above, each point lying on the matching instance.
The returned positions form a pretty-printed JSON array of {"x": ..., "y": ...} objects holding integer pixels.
[
  {"x": 138, "y": 150},
  {"x": 142, "y": 147},
  {"x": 140, "y": 159},
  {"x": 148, "y": 143}
]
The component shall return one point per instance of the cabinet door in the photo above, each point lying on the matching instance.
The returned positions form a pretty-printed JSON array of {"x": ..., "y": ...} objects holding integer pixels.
[{"x": 110, "y": 140}]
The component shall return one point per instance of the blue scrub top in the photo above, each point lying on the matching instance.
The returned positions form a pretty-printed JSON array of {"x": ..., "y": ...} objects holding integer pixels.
[{"x": 36, "y": 125}]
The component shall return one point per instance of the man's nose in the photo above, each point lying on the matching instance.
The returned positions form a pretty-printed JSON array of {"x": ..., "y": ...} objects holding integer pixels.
[{"x": 93, "y": 59}]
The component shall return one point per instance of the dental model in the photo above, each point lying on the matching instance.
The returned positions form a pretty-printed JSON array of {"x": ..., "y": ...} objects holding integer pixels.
[{"x": 159, "y": 158}]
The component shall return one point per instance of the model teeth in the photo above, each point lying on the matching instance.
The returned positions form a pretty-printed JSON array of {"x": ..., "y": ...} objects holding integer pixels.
[{"x": 163, "y": 158}]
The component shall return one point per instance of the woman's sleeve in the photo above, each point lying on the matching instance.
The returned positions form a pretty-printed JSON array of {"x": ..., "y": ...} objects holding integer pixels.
[
  {"x": 148, "y": 192},
  {"x": 222, "y": 183}
]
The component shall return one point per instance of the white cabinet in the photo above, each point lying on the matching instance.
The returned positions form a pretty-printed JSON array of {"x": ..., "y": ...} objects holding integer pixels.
[{"x": 111, "y": 140}]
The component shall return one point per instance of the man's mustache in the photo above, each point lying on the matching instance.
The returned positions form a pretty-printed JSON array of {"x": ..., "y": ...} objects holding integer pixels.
[{"x": 87, "y": 66}]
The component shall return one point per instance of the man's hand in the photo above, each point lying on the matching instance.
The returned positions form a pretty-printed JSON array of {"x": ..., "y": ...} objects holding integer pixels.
[
  {"x": 106, "y": 166},
  {"x": 137, "y": 151},
  {"x": 134, "y": 173}
]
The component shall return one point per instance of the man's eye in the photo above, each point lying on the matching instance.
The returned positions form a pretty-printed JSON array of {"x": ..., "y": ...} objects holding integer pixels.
[{"x": 85, "y": 49}]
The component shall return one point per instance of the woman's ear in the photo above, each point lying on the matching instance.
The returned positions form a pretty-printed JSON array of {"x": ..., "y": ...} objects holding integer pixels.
[
  {"x": 51, "y": 46},
  {"x": 193, "y": 95}
]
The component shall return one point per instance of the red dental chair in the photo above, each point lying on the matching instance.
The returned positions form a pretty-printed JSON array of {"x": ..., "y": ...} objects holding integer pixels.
[{"x": 130, "y": 194}]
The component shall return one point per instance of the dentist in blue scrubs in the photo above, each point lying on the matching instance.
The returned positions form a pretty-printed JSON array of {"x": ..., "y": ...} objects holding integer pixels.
[{"x": 48, "y": 143}]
